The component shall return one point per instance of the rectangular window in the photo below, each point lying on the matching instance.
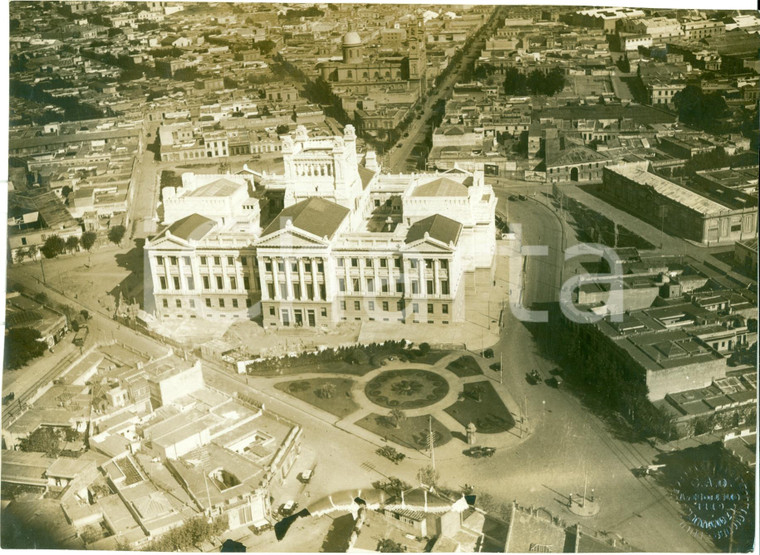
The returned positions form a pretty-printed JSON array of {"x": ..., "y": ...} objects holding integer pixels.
[
  {"x": 343, "y": 305},
  {"x": 268, "y": 266},
  {"x": 219, "y": 284},
  {"x": 357, "y": 305},
  {"x": 230, "y": 261},
  {"x": 234, "y": 303},
  {"x": 413, "y": 263},
  {"x": 160, "y": 260},
  {"x": 270, "y": 290},
  {"x": 310, "y": 291},
  {"x": 208, "y": 302},
  {"x": 165, "y": 303},
  {"x": 173, "y": 260},
  {"x": 384, "y": 285},
  {"x": 271, "y": 311},
  {"x": 244, "y": 260},
  {"x": 192, "y": 303},
  {"x": 307, "y": 267},
  {"x": 371, "y": 305},
  {"x": 233, "y": 283},
  {"x": 320, "y": 267},
  {"x": 340, "y": 263},
  {"x": 400, "y": 286},
  {"x": 248, "y": 303},
  {"x": 246, "y": 283},
  {"x": 342, "y": 285},
  {"x": 368, "y": 262},
  {"x": 162, "y": 279},
  {"x": 385, "y": 306},
  {"x": 429, "y": 263},
  {"x": 281, "y": 266},
  {"x": 221, "y": 303},
  {"x": 356, "y": 285},
  {"x": 217, "y": 260},
  {"x": 175, "y": 279},
  {"x": 206, "y": 284},
  {"x": 186, "y": 260},
  {"x": 354, "y": 262},
  {"x": 444, "y": 264},
  {"x": 297, "y": 290},
  {"x": 415, "y": 287},
  {"x": 430, "y": 287},
  {"x": 415, "y": 308},
  {"x": 323, "y": 312},
  {"x": 397, "y": 262},
  {"x": 430, "y": 308},
  {"x": 190, "y": 283},
  {"x": 445, "y": 308},
  {"x": 370, "y": 285},
  {"x": 445, "y": 287},
  {"x": 294, "y": 266},
  {"x": 179, "y": 303}
]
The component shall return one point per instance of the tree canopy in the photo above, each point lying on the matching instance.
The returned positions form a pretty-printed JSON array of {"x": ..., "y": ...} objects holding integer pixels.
[
  {"x": 88, "y": 239},
  {"x": 53, "y": 246},
  {"x": 537, "y": 82},
  {"x": 116, "y": 234},
  {"x": 699, "y": 109},
  {"x": 21, "y": 346}
]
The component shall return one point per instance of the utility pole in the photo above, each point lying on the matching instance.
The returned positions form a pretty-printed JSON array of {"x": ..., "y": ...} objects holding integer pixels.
[
  {"x": 42, "y": 267},
  {"x": 731, "y": 531},
  {"x": 585, "y": 485},
  {"x": 431, "y": 440},
  {"x": 501, "y": 368}
]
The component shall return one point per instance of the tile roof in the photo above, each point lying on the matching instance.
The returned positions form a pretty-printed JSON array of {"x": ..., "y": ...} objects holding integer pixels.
[
  {"x": 315, "y": 215},
  {"x": 438, "y": 227},
  {"x": 220, "y": 188},
  {"x": 441, "y": 187},
  {"x": 193, "y": 227}
]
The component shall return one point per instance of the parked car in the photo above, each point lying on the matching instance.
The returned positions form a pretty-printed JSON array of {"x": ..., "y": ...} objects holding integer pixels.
[
  {"x": 391, "y": 454},
  {"x": 8, "y": 398},
  {"x": 534, "y": 377},
  {"x": 522, "y": 197},
  {"x": 287, "y": 508},
  {"x": 555, "y": 382},
  {"x": 306, "y": 476}
]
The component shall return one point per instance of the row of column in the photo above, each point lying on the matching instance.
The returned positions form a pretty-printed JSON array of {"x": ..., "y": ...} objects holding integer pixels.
[
  {"x": 313, "y": 170},
  {"x": 289, "y": 278},
  {"x": 393, "y": 274},
  {"x": 195, "y": 273}
]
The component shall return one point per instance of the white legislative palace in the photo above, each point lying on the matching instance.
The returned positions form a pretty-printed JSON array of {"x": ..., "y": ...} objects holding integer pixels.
[{"x": 331, "y": 239}]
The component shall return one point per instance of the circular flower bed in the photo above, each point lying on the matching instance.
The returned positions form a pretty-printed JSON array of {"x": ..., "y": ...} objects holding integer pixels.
[{"x": 406, "y": 389}]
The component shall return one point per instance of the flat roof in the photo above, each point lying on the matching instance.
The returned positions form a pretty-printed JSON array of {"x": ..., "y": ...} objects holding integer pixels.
[{"x": 668, "y": 189}]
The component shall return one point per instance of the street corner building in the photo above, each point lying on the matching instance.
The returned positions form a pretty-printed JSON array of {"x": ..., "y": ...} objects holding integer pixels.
[{"x": 331, "y": 239}]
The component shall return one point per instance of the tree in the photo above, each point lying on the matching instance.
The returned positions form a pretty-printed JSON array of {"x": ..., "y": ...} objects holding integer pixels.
[
  {"x": 536, "y": 81},
  {"x": 43, "y": 440},
  {"x": 88, "y": 239},
  {"x": 53, "y": 246},
  {"x": 32, "y": 251},
  {"x": 424, "y": 348},
  {"x": 85, "y": 314},
  {"x": 357, "y": 356},
  {"x": 514, "y": 82},
  {"x": 282, "y": 129},
  {"x": 624, "y": 64},
  {"x": 699, "y": 109},
  {"x": 116, "y": 234},
  {"x": 21, "y": 346},
  {"x": 65, "y": 192},
  {"x": 72, "y": 243},
  {"x": 387, "y": 545},
  {"x": 325, "y": 391},
  {"x": 428, "y": 476},
  {"x": 398, "y": 417}
]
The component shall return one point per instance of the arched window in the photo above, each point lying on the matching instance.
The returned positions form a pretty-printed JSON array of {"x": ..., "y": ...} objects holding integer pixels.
[
  {"x": 365, "y": 75},
  {"x": 377, "y": 75},
  {"x": 350, "y": 74},
  {"x": 387, "y": 74}
]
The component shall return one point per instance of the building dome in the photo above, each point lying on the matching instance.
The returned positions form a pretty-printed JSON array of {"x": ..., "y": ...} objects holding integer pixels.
[{"x": 352, "y": 38}]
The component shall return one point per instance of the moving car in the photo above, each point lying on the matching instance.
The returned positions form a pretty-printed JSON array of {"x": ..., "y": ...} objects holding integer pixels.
[
  {"x": 287, "y": 508},
  {"x": 306, "y": 476},
  {"x": 534, "y": 377},
  {"x": 478, "y": 452}
]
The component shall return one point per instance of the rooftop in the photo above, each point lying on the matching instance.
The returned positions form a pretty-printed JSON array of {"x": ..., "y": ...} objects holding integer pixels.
[
  {"x": 437, "y": 227},
  {"x": 315, "y": 215}
]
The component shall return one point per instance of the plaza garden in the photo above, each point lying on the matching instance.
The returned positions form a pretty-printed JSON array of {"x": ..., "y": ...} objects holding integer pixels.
[{"x": 398, "y": 393}]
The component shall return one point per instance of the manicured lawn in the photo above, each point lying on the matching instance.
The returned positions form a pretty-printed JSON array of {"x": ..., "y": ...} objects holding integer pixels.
[
  {"x": 489, "y": 414},
  {"x": 406, "y": 389},
  {"x": 413, "y": 432},
  {"x": 340, "y": 403},
  {"x": 465, "y": 366}
]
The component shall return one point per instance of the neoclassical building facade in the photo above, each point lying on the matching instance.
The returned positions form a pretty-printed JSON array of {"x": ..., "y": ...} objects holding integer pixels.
[{"x": 350, "y": 243}]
